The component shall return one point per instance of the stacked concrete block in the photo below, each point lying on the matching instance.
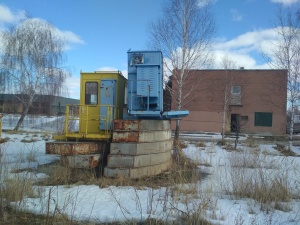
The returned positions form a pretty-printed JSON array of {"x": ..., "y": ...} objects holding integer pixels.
[
  {"x": 85, "y": 155},
  {"x": 139, "y": 148}
]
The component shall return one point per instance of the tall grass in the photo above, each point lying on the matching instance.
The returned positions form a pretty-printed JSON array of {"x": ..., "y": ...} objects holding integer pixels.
[{"x": 252, "y": 176}]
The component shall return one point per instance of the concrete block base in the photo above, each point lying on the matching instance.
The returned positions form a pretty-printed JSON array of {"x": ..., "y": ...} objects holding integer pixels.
[
  {"x": 141, "y": 136},
  {"x": 129, "y": 161},
  {"x": 138, "y": 125},
  {"x": 137, "y": 172},
  {"x": 140, "y": 148},
  {"x": 82, "y": 161},
  {"x": 74, "y": 148}
]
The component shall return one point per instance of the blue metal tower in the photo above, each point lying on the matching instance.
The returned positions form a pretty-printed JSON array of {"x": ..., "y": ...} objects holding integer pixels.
[{"x": 145, "y": 86}]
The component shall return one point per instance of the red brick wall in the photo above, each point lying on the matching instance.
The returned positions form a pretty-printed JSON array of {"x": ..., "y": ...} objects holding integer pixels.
[{"x": 261, "y": 91}]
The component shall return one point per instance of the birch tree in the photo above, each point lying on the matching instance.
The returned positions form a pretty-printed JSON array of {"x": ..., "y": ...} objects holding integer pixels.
[
  {"x": 285, "y": 54},
  {"x": 184, "y": 34},
  {"x": 31, "y": 62},
  {"x": 225, "y": 85}
]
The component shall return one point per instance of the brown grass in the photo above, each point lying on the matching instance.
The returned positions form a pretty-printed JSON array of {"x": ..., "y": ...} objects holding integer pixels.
[
  {"x": 250, "y": 179},
  {"x": 3, "y": 140},
  {"x": 284, "y": 150},
  {"x": 185, "y": 171}
]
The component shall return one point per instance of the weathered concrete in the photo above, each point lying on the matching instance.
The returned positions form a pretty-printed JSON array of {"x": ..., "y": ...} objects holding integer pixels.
[
  {"x": 75, "y": 148},
  {"x": 141, "y": 136},
  {"x": 84, "y": 161},
  {"x": 140, "y": 148},
  {"x": 137, "y": 172},
  {"x": 138, "y": 125},
  {"x": 129, "y": 161}
]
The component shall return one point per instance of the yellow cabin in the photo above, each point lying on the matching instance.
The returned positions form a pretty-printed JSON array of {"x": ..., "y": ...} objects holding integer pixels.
[{"x": 102, "y": 99}]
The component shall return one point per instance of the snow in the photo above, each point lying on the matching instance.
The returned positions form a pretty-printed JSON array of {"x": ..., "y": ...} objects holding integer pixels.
[{"x": 25, "y": 151}]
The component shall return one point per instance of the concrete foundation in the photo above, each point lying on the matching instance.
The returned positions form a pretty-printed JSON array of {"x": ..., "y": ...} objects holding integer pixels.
[
  {"x": 84, "y": 161},
  {"x": 139, "y": 148},
  {"x": 139, "y": 125},
  {"x": 141, "y": 136},
  {"x": 137, "y": 172},
  {"x": 74, "y": 148},
  {"x": 129, "y": 161},
  {"x": 85, "y": 155}
]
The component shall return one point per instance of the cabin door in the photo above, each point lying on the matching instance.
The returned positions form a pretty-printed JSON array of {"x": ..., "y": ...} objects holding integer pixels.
[{"x": 107, "y": 103}]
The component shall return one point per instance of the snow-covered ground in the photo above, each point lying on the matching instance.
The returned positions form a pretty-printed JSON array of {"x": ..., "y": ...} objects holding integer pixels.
[{"x": 212, "y": 195}]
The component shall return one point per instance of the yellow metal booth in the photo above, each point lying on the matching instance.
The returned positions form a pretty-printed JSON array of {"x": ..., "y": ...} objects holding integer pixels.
[{"x": 102, "y": 99}]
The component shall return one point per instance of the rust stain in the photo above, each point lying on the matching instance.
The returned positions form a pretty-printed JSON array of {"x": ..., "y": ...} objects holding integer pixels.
[
  {"x": 93, "y": 162},
  {"x": 73, "y": 148},
  {"x": 82, "y": 161},
  {"x": 126, "y": 124},
  {"x": 127, "y": 136}
]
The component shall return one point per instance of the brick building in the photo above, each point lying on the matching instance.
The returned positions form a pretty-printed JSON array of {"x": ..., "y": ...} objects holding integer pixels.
[
  {"x": 254, "y": 101},
  {"x": 42, "y": 105}
]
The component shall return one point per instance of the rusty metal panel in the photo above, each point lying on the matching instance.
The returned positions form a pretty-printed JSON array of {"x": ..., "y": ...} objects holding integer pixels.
[
  {"x": 141, "y": 136},
  {"x": 84, "y": 161},
  {"x": 74, "y": 148}
]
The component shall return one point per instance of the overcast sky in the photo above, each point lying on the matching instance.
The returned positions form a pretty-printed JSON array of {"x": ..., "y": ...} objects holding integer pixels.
[{"x": 100, "y": 32}]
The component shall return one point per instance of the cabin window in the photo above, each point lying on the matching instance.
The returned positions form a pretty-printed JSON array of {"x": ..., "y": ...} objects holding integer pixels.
[
  {"x": 263, "y": 119},
  {"x": 91, "y": 93}
]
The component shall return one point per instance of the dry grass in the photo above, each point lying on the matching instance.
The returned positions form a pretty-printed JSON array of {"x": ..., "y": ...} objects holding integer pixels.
[
  {"x": 251, "y": 142},
  {"x": 282, "y": 148},
  {"x": 186, "y": 171},
  {"x": 17, "y": 188},
  {"x": 28, "y": 140},
  {"x": 221, "y": 142},
  {"x": 250, "y": 177},
  {"x": 3, "y": 140},
  {"x": 201, "y": 144}
]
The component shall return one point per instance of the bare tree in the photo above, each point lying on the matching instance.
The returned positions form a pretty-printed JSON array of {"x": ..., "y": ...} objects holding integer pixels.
[
  {"x": 184, "y": 35},
  {"x": 225, "y": 85},
  {"x": 31, "y": 60},
  {"x": 286, "y": 55}
]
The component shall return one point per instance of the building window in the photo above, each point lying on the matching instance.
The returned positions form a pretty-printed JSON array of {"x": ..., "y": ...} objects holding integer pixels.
[
  {"x": 235, "y": 95},
  {"x": 236, "y": 90},
  {"x": 91, "y": 93},
  {"x": 263, "y": 119}
]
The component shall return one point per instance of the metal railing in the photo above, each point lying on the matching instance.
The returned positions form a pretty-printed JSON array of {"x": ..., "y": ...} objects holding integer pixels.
[{"x": 82, "y": 118}]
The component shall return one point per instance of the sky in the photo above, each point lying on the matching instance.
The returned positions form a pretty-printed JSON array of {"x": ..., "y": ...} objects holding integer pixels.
[{"x": 100, "y": 32}]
